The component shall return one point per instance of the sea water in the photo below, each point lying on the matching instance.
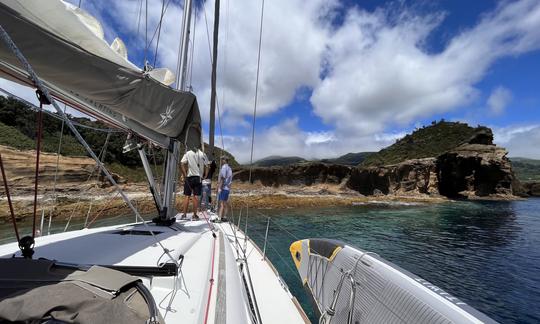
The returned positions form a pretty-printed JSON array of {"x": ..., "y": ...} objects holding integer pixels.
[{"x": 485, "y": 253}]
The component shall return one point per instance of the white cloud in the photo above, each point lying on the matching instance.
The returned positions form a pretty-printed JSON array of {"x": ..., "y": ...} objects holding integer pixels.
[
  {"x": 319, "y": 138},
  {"x": 287, "y": 139},
  {"x": 368, "y": 75},
  {"x": 498, "y": 100},
  {"x": 519, "y": 140},
  {"x": 380, "y": 74}
]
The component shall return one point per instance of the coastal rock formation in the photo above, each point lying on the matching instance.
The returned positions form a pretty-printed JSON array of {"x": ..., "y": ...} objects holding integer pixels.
[
  {"x": 475, "y": 170},
  {"x": 469, "y": 171},
  {"x": 297, "y": 174},
  {"x": 532, "y": 188},
  {"x": 411, "y": 177},
  {"x": 72, "y": 171}
]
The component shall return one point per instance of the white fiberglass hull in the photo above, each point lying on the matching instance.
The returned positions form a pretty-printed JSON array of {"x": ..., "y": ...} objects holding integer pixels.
[{"x": 209, "y": 287}]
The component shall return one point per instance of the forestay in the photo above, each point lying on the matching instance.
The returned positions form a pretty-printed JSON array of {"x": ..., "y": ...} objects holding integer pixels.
[{"x": 65, "y": 47}]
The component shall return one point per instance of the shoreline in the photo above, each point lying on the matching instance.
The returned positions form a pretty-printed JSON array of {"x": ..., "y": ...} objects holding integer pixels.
[
  {"x": 96, "y": 202},
  {"x": 109, "y": 204}
]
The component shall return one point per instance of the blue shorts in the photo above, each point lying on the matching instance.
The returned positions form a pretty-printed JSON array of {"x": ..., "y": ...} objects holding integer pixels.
[{"x": 224, "y": 195}]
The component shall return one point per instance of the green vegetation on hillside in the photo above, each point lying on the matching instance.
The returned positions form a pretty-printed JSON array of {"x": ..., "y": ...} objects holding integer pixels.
[
  {"x": 276, "y": 160},
  {"x": 429, "y": 141},
  {"x": 350, "y": 159},
  {"x": 526, "y": 169},
  {"x": 18, "y": 130}
]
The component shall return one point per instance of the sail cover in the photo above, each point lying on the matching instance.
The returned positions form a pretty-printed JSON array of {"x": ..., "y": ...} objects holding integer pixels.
[{"x": 64, "y": 46}]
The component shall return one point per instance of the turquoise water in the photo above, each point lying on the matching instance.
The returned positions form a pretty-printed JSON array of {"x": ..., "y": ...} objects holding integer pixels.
[{"x": 485, "y": 253}]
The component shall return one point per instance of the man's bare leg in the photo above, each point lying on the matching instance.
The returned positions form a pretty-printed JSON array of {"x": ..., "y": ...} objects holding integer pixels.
[
  {"x": 195, "y": 204},
  {"x": 225, "y": 209},
  {"x": 220, "y": 210},
  {"x": 186, "y": 204}
]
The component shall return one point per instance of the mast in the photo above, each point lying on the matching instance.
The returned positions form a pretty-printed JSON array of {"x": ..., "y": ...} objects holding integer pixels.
[
  {"x": 181, "y": 66},
  {"x": 213, "y": 93},
  {"x": 168, "y": 210}
]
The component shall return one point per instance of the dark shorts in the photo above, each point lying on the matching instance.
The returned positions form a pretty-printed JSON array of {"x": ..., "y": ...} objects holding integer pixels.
[
  {"x": 192, "y": 185},
  {"x": 224, "y": 195}
]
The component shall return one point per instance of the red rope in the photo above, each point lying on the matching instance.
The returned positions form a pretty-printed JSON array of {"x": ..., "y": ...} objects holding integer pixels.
[
  {"x": 38, "y": 149},
  {"x": 9, "y": 199},
  {"x": 211, "y": 284}
]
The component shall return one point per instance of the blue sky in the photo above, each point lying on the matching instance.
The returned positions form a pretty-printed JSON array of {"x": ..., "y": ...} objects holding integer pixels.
[{"x": 349, "y": 76}]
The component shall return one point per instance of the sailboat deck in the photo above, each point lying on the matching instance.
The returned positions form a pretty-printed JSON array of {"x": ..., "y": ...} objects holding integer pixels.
[{"x": 208, "y": 288}]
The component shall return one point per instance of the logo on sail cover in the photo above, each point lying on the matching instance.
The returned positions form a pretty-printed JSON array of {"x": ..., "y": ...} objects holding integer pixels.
[{"x": 166, "y": 116}]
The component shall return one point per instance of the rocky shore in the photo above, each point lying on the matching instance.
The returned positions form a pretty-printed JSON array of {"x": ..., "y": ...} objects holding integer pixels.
[{"x": 475, "y": 169}]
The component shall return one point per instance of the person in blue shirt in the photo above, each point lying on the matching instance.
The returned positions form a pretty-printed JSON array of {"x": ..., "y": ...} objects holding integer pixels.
[{"x": 224, "y": 187}]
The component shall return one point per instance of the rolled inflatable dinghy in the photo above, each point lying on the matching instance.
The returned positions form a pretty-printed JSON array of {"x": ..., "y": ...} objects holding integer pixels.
[{"x": 348, "y": 285}]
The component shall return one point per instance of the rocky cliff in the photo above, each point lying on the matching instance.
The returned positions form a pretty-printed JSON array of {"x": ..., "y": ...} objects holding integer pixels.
[
  {"x": 532, "y": 188},
  {"x": 475, "y": 169},
  {"x": 411, "y": 177},
  {"x": 298, "y": 174},
  {"x": 469, "y": 171},
  {"x": 73, "y": 172}
]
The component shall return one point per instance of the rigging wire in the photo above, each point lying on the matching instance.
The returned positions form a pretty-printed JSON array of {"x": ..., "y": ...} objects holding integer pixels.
[
  {"x": 146, "y": 45},
  {"x": 4, "y": 36},
  {"x": 159, "y": 31},
  {"x": 56, "y": 116},
  {"x": 139, "y": 18},
  {"x": 226, "y": 52},
  {"x": 103, "y": 155},
  {"x": 256, "y": 93},
  {"x": 56, "y": 174},
  {"x": 39, "y": 135},
  {"x": 192, "y": 59},
  {"x": 100, "y": 157},
  {"x": 102, "y": 210}
]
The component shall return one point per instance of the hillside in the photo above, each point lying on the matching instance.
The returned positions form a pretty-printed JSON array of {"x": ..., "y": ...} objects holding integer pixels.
[
  {"x": 18, "y": 130},
  {"x": 526, "y": 169},
  {"x": 276, "y": 160},
  {"x": 430, "y": 141},
  {"x": 350, "y": 159}
]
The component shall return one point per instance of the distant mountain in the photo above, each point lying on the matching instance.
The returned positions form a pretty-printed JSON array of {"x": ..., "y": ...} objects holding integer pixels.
[
  {"x": 430, "y": 141},
  {"x": 526, "y": 169},
  {"x": 351, "y": 159},
  {"x": 276, "y": 160}
]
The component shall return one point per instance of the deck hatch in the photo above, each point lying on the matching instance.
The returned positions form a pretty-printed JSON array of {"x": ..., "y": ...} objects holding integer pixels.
[{"x": 136, "y": 232}]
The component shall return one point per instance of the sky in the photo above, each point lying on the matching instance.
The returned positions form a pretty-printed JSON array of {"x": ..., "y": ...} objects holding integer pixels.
[{"x": 339, "y": 76}]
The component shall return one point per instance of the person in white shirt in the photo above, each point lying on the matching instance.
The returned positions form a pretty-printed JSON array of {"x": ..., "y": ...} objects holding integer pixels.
[
  {"x": 224, "y": 187},
  {"x": 194, "y": 166}
]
